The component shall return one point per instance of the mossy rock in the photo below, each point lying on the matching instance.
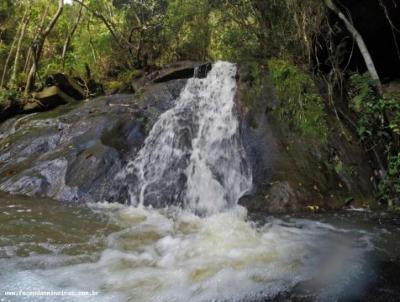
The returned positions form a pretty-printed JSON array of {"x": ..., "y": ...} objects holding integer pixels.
[
  {"x": 301, "y": 106},
  {"x": 68, "y": 85},
  {"x": 293, "y": 168},
  {"x": 48, "y": 98}
]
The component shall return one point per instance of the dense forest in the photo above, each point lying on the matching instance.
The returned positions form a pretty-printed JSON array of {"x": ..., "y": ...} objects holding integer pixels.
[{"x": 325, "y": 57}]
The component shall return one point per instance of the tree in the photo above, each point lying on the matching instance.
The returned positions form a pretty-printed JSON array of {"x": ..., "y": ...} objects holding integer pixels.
[
  {"x": 9, "y": 56},
  {"x": 360, "y": 43},
  {"x": 37, "y": 47},
  {"x": 119, "y": 39},
  {"x": 68, "y": 40},
  {"x": 25, "y": 22}
]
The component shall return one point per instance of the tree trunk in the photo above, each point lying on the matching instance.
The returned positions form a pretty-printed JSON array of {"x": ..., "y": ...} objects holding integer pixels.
[
  {"x": 39, "y": 30},
  {"x": 8, "y": 61},
  {"x": 360, "y": 43},
  {"x": 37, "y": 50},
  {"x": 25, "y": 22},
  {"x": 104, "y": 20},
  {"x": 67, "y": 43},
  {"x": 15, "y": 40}
]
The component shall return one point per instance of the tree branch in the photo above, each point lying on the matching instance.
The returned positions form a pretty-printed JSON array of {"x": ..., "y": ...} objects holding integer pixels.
[
  {"x": 104, "y": 20},
  {"x": 360, "y": 42}
]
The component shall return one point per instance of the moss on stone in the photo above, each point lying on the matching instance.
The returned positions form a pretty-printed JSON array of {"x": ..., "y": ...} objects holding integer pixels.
[
  {"x": 252, "y": 94},
  {"x": 300, "y": 103}
]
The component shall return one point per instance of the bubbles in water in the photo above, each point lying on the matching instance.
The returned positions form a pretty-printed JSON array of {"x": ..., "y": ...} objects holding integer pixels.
[{"x": 173, "y": 255}]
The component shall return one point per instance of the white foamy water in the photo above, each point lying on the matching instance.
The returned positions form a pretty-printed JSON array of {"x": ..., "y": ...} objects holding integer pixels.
[
  {"x": 173, "y": 255},
  {"x": 193, "y": 155},
  {"x": 194, "y": 160}
]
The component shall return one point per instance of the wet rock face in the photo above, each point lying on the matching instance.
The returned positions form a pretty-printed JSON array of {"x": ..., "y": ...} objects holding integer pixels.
[
  {"x": 183, "y": 70},
  {"x": 74, "y": 152},
  {"x": 9, "y": 109},
  {"x": 292, "y": 172},
  {"x": 60, "y": 90}
]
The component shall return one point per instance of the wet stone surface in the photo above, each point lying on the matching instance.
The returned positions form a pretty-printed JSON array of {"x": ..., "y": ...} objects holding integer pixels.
[{"x": 74, "y": 152}]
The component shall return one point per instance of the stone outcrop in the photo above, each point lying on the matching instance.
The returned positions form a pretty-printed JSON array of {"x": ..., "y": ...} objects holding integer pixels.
[
  {"x": 292, "y": 172},
  {"x": 74, "y": 152},
  {"x": 48, "y": 98},
  {"x": 68, "y": 85}
]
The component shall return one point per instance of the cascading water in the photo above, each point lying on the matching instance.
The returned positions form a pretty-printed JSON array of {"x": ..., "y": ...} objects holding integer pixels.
[{"x": 193, "y": 155}]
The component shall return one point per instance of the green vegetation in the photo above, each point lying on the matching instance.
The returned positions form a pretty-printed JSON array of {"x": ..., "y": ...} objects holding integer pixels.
[
  {"x": 371, "y": 108},
  {"x": 253, "y": 79},
  {"x": 379, "y": 128},
  {"x": 389, "y": 187},
  {"x": 113, "y": 37},
  {"x": 8, "y": 95},
  {"x": 301, "y": 105},
  {"x": 113, "y": 42}
]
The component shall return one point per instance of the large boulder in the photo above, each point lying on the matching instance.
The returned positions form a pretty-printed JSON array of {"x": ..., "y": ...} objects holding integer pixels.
[
  {"x": 175, "y": 71},
  {"x": 48, "y": 98},
  {"x": 74, "y": 152},
  {"x": 182, "y": 70},
  {"x": 67, "y": 85},
  {"x": 9, "y": 108}
]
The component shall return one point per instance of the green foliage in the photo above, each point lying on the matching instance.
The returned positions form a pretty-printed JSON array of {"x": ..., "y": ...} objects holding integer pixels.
[
  {"x": 113, "y": 36},
  {"x": 50, "y": 66},
  {"x": 112, "y": 85},
  {"x": 389, "y": 187},
  {"x": 371, "y": 108},
  {"x": 339, "y": 167},
  {"x": 8, "y": 96},
  {"x": 378, "y": 124},
  {"x": 364, "y": 92},
  {"x": 230, "y": 41},
  {"x": 301, "y": 105},
  {"x": 129, "y": 75},
  {"x": 253, "y": 79},
  {"x": 186, "y": 30}
]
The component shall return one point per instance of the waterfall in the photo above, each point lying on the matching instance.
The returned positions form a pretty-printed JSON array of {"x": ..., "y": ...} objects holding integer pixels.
[
  {"x": 193, "y": 156},
  {"x": 203, "y": 248}
]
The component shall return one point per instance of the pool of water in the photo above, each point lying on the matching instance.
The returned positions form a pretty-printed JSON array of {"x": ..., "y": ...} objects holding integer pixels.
[{"x": 121, "y": 253}]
